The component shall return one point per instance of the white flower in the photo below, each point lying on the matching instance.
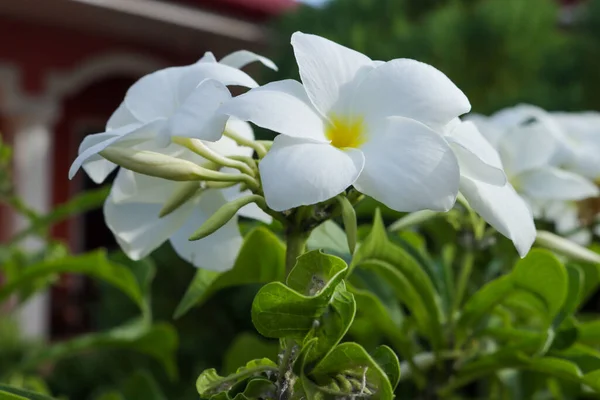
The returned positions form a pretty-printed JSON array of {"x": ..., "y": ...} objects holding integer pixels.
[
  {"x": 531, "y": 148},
  {"x": 135, "y": 202},
  {"x": 176, "y": 101},
  {"x": 485, "y": 187},
  {"x": 354, "y": 121}
]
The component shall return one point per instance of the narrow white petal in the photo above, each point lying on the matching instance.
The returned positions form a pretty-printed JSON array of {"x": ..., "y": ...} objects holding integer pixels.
[
  {"x": 555, "y": 184},
  {"x": 155, "y": 95},
  {"x": 95, "y": 166},
  {"x": 281, "y": 106},
  {"x": 409, "y": 88},
  {"x": 131, "y": 187},
  {"x": 476, "y": 156},
  {"x": 125, "y": 136},
  {"x": 503, "y": 209},
  {"x": 121, "y": 117},
  {"x": 239, "y": 59},
  {"x": 526, "y": 148},
  {"x": 216, "y": 252},
  {"x": 410, "y": 168},
  {"x": 197, "y": 116},
  {"x": 328, "y": 70},
  {"x": 297, "y": 172},
  {"x": 228, "y": 76},
  {"x": 208, "y": 57},
  {"x": 137, "y": 227}
]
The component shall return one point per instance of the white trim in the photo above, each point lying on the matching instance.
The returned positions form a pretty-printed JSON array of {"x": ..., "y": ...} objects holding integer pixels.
[{"x": 63, "y": 83}]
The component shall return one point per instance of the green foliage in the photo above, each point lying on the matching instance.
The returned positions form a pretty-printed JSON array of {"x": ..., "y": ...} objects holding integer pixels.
[
  {"x": 261, "y": 260},
  {"x": 310, "y": 315}
]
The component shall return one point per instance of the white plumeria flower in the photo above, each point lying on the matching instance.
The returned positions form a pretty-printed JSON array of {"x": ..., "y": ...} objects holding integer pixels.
[
  {"x": 582, "y": 142},
  {"x": 565, "y": 215},
  {"x": 354, "y": 121},
  {"x": 485, "y": 187},
  {"x": 132, "y": 211},
  {"x": 530, "y": 145},
  {"x": 176, "y": 101}
]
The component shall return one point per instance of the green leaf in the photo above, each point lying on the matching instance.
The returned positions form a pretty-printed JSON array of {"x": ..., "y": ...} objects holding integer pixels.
[
  {"x": 260, "y": 260},
  {"x": 86, "y": 201},
  {"x": 110, "y": 395},
  {"x": 410, "y": 282},
  {"x": 260, "y": 389},
  {"x": 592, "y": 379},
  {"x": 12, "y": 393},
  {"x": 210, "y": 383},
  {"x": 246, "y": 347},
  {"x": 313, "y": 271},
  {"x": 411, "y": 219},
  {"x": 158, "y": 341},
  {"x": 349, "y": 218},
  {"x": 539, "y": 278},
  {"x": 388, "y": 362},
  {"x": 352, "y": 362},
  {"x": 589, "y": 333},
  {"x": 329, "y": 237},
  {"x": 141, "y": 385},
  {"x": 279, "y": 311},
  {"x": 93, "y": 264}
]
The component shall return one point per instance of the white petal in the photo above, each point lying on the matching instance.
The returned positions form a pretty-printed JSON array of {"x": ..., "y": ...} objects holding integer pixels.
[
  {"x": 228, "y": 76},
  {"x": 597, "y": 229},
  {"x": 328, "y": 71},
  {"x": 95, "y": 166},
  {"x": 197, "y": 116},
  {"x": 137, "y": 227},
  {"x": 121, "y": 117},
  {"x": 492, "y": 132},
  {"x": 155, "y": 95},
  {"x": 216, "y": 252},
  {"x": 124, "y": 136},
  {"x": 555, "y": 184},
  {"x": 527, "y": 147},
  {"x": 410, "y": 168},
  {"x": 503, "y": 209},
  {"x": 281, "y": 106},
  {"x": 408, "y": 88},
  {"x": 476, "y": 156},
  {"x": 582, "y": 237},
  {"x": 239, "y": 59},
  {"x": 564, "y": 214},
  {"x": 208, "y": 57},
  {"x": 131, "y": 187},
  {"x": 297, "y": 172}
]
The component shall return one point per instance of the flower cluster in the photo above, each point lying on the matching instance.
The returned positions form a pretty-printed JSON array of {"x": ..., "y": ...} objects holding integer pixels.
[
  {"x": 391, "y": 130},
  {"x": 553, "y": 161}
]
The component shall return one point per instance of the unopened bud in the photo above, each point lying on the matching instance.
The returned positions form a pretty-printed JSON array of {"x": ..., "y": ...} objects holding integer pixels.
[
  {"x": 179, "y": 197},
  {"x": 566, "y": 247},
  {"x": 223, "y": 215}
]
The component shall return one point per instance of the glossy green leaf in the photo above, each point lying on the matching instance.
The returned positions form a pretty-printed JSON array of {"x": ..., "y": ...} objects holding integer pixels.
[
  {"x": 388, "y": 362},
  {"x": 350, "y": 224},
  {"x": 260, "y": 260},
  {"x": 589, "y": 332},
  {"x": 159, "y": 341},
  {"x": 12, "y": 393},
  {"x": 279, "y": 311},
  {"x": 329, "y": 237},
  {"x": 247, "y": 347},
  {"x": 410, "y": 282},
  {"x": 592, "y": 380},
  {"x": 210, "y": 383},
  {"x": 352, "y": 362},
  {"x": 260, "y": 389},
  {"x": 94, "y": 264},
  {"x": 313, "y": 271}
]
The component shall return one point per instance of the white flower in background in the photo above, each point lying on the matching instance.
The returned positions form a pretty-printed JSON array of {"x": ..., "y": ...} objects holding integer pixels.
[
  {"x": 531, "y": 148},
  {"x": 176, "y": 101},
  {"x": 132, "y": 211},
  {"x": 354, "y": 121},
  {"x": 485, "y": 187}
]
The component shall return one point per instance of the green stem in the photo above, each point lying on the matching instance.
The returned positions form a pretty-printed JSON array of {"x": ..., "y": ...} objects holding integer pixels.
[
  {"x": 242, "y": 141},
  {"x": 463, "y": 280},
  {"x": 295, "y": 245}
]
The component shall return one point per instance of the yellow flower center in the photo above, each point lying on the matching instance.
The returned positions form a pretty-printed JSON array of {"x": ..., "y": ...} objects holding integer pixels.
[{"x": 345, "y": 133}]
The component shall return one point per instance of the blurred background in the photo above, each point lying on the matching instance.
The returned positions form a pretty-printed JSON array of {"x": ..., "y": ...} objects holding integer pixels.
[{"x": 66, "y": 64}]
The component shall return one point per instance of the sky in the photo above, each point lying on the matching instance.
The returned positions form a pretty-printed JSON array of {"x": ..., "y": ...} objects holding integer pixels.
[{"x": 313, "y": 2}]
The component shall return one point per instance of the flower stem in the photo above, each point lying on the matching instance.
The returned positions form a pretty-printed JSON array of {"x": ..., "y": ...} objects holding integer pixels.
[
  {"x": 463, "y": 280},
  {"x": 295, "y": 245},
  {"x": 242, "y": 141},
  {"x": 198, "y": 147}
]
